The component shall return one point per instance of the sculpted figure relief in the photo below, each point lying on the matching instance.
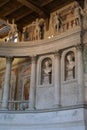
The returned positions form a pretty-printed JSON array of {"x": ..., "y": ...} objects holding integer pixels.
[
  {"x": 13, "y": 30},
  {"x": 47, "y": 72},
  {"x": 77, "y": 12},
  {"x": 37, "y": 30},
  {"x": 70, "y": 66},
  {"x": 57, "y": 22}
]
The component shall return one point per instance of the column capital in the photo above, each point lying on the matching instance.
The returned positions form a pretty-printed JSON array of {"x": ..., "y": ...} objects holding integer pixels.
[
  {"x": 33, "y": 59},
  {"x": 9, "y": 59},
  {"x": 57, "y": 53},
  {"x": 79, "y": 47}
]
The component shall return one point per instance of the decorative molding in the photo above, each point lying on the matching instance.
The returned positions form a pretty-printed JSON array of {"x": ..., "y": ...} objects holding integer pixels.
[{"x": 26, "y": 49}]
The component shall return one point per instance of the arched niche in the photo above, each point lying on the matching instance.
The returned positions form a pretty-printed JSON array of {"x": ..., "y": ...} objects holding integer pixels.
[
  {"x": 69, "y": 65},
  {"x": 46, "y": 71}
]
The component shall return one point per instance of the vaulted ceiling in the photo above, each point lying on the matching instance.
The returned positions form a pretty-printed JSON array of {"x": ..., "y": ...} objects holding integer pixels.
[{"x": 26, "y": 11}]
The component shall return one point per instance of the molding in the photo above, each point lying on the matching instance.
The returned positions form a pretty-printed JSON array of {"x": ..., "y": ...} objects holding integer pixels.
[{"x": 26, "y": 49}]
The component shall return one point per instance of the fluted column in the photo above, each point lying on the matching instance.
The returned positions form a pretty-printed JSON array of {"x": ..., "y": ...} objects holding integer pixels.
[
  {"x": 32, "y": 84},
  {"x": 57, "y": 79},
  {"x": 7, "y": 83},
  {"x": 80, "y": 74}
]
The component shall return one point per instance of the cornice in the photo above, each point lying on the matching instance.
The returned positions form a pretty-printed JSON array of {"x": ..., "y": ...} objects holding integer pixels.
[{"x": 23, "y": 49}]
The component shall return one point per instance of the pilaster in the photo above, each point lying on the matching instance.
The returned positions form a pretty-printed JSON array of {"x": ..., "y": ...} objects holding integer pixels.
[{"x": 57, "y": 79}]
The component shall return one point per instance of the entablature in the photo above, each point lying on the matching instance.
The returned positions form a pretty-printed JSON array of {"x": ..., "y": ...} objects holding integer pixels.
[{"x": 38, "y": 47}]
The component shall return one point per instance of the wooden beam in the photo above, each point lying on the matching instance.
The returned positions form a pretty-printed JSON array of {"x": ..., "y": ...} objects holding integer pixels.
[
  {"x": 12, "y": 9},
  {"x": 31, "y": 6},
  {"x": 23, "y": 15},
  {"x": 46, "y": 2},
  {"x": 3, "y": 2}
]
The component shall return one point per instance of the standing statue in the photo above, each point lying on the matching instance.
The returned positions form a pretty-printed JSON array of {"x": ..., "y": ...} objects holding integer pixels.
[
  {"x": 12, "y": 31},
  {"x": 37, "y": 30},
  {"x": 70, "y": 67},
  {"x": 78, "y": 12},
  {"x": 57, "y": 22}
]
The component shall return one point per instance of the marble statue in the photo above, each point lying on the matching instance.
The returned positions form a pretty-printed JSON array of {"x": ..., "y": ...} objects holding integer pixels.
[
  {"x": 47, "y": 72},
  {"x": 57, "y": 22},
  {"x": 12, "y": 31},
  {"x": 78, "y": 12},
  {"x": 70, "y": 67},
  {"x": 37, "y": 30}
]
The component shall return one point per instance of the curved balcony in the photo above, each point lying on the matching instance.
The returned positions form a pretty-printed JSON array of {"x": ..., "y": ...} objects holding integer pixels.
[{"x": 33, "y": 48}]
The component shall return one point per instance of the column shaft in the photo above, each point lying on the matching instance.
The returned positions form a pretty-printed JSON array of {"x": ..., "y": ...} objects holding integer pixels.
[
  {"x": 32, "y": 84},
  {"x": 6, "y": 83}
]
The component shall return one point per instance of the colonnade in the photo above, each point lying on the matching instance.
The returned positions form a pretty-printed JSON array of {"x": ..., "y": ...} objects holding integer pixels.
[{"x": 57, "y": 80}]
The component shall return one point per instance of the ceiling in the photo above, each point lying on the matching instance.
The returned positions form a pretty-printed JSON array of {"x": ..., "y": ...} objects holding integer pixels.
[{"x": 26, "y": 11}]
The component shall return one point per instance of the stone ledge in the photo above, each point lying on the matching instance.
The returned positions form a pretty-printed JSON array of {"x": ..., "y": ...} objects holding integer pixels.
[{"x": 71, "y": 119}]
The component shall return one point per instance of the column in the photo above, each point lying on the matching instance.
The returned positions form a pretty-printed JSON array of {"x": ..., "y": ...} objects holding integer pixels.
[
  {"x": 80, "y": 75},
  {"x": 57, "y": 79},
  {"x": 32, "y": 84},
  {"x": 6, "y": 83}
]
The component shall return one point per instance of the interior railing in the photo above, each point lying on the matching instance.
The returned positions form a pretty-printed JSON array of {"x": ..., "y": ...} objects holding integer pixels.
[{"x": 16, "y": 105}]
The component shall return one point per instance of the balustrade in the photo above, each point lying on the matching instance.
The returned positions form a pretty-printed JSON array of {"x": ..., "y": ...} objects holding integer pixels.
[{"x": 17, "y": 105}]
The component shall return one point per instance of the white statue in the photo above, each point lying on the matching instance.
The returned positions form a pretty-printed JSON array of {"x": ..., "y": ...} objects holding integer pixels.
[
  {"x": 13, "y": 30},
  {"x": 56, "y": 23},
  {"x": 37, "y": 30},
  {"x": 47, "y": 73},
  {"x": 78, "y": 12},
  {"x": 70, "y": 67}
]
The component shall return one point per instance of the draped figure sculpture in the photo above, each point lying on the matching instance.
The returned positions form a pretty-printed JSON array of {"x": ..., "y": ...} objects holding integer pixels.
[
  {"x": 47, "y": 71},
  {"x": 70, "y": 66},
  {"x": 12, "y": 31}
]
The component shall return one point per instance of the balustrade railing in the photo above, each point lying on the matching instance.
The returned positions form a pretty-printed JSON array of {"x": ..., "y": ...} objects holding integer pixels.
[{"x": 17, "y": 105}]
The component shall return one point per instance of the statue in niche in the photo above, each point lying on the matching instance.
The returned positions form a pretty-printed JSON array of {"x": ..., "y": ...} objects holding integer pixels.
[
  {"x": 13, "y": 30},
  {"x": 69, "y": 66},
  {"x": 46, "y": 71},
  {"x": 57, "y": 22},
  {"x": 77, "y": 12},
  {"x": 37, "y": 30}
]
